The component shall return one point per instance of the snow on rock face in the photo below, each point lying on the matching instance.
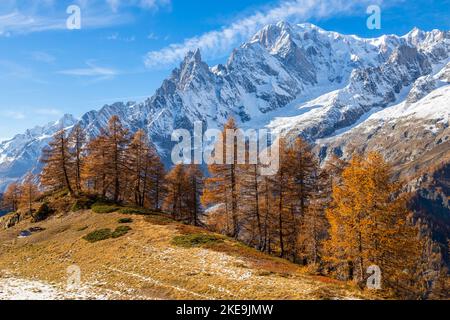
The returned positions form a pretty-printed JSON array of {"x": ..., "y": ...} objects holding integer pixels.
[
  {"x": 404, "y": 132},
  {"x": 434, "y": 106},
  {"x": 295, "y": 79},
  {"x": 21, "y": 153}
]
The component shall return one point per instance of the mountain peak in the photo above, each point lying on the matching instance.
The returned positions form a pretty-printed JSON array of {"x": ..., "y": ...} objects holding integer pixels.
[
  {"x": 66, "y": 120},
  {"x": 307, "y": 26},
  {"x": 193, "y": 56}
]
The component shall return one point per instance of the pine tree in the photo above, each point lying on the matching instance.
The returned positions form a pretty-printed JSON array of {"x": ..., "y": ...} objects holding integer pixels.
[{"x": 58, "y": 164}]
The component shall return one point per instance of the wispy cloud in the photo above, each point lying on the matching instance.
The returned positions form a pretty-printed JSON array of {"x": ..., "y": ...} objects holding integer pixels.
[
  {"x": 20, "y": 114},
  {"x": 17, "y": 22},
  {"x": 117, "y": 37},
  {"x": 11, "y": 71},
  {"x": 144, "y": 4},
  {"x": 16, "y": 115},
  {"x": 152, "y": 36},
  {"x": 48, "y": 112},
  {"x": 92, "y": 71},
  {"x": 27, "y": 16},
  {"x": 220, "y": 42}
]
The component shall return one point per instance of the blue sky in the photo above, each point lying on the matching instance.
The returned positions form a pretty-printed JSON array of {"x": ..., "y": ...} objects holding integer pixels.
[{"x": 125, "y": 48}]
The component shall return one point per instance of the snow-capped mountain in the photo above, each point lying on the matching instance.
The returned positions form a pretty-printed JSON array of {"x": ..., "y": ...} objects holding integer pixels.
[
  {"x": 21, "y": 153},
  {"x": 404, "y": 132},
  {"x": 294, "y": 79},
  {"x": 413, "y": 134}
]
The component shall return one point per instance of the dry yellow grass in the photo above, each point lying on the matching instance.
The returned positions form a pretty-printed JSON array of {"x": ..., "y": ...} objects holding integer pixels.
[{"x": 145, "y": 264}]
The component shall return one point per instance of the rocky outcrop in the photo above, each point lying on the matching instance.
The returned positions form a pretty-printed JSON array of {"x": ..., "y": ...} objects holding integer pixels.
[{"x": 10, "y": 220}]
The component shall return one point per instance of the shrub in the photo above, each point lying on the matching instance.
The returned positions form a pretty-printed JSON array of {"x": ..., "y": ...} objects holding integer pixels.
[
  {"x": 42, "y": 197},
  {"x": 104, "y": 208},
  {"x": 82, "y": 228},
  {"x": 82, "y": 204},
  {"x": 137, "y": 211},
  {"x": 125, "y": 220},
  {"x": 158, "y": 220},
  {"x": 196, "y": 240},
  {"x": 61, "y": 193},
  {"x": 120, "y": 231},
  {"x": 42, "y": 213},
  {"x": 98, "y": 235}
]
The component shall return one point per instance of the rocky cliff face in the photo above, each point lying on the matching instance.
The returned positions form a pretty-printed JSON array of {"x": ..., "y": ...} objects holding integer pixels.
[{"x": 294, "y": 79}]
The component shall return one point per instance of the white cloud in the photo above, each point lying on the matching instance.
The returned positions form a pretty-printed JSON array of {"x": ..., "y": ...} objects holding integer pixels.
[
  {"x": 94, "y": 71},
  {"x": 220, "y": 42}
]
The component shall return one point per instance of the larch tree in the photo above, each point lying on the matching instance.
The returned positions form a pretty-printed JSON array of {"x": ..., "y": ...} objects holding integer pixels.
[
  {"x": 30, "y": 192},
  {"x": 221, "y": 188},
  {"x": 139, "y": 164},
  {"x": 94, "y": 170},
  {"x": 369, "y": 223},
  {"x": 267, "y": 213},
  {"x": 116, "y": 140},
  {"x": 176, "y": 201},
  {"x": 195, "y": 184},
  {"x": 77, "y": 140},
  {"x": 58, "y": 164},
  {"x": 11, "y": 197},
  {"x": 314, "y": 225},
  {"x": 146, "y": 172},
  {"x": 304, "y": 169},
  {"x": 157, "y": 189},
  {"x": 282, "y": 187},
  {"x": 250, "y": 208}
]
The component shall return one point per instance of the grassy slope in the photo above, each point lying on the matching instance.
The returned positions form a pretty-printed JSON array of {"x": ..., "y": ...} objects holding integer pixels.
[{"x": 147, "y": 264}]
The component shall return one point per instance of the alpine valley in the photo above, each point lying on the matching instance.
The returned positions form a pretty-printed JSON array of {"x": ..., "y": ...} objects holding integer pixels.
[{"x": 342, "y": 93}]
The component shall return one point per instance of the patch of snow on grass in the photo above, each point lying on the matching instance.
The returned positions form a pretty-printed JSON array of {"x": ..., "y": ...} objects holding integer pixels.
[{"x": 12, "y": 288}]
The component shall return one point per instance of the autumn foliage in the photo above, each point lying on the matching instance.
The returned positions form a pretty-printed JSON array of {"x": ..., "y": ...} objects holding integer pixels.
[{"x": 337, "y": 218}]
